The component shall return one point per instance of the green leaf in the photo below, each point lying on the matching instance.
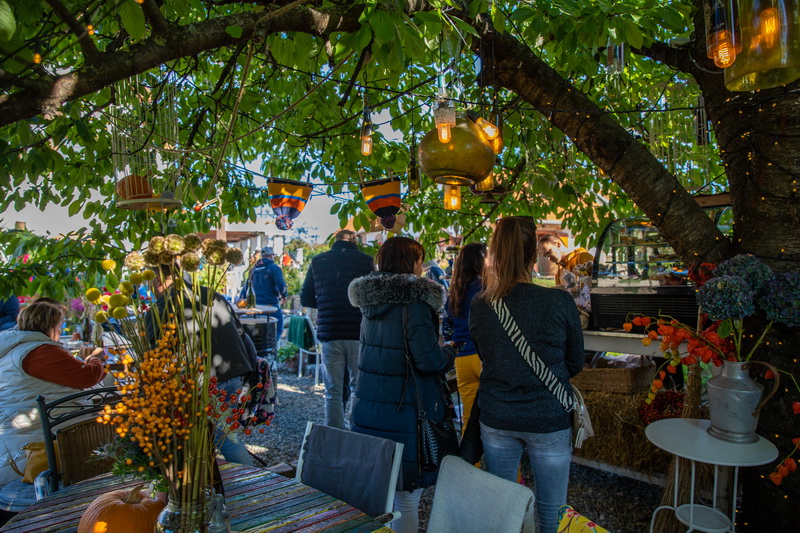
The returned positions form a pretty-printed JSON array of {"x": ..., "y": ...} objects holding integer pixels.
[
  {"x": 132, "y": 18},
  {"x": 75, "y": 207},
  {"x": 234, "y": 31},
  {"x": 8, "y": 24},
  {"x": 724, "y": 329},
  {"x": 335, "y": 208},
  {"x": 383, "y": 26},
  {"x": 633, "y": 34},
  {"x": 463, "y": 26}
]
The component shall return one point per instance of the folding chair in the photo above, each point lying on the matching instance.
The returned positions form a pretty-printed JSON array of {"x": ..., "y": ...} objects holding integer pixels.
[
  {"x": 305, "y": 338},
  {"x": 461, "y": 496},
  {"x": 78, "y": 440},
  {"x": 361, "y": 470}
]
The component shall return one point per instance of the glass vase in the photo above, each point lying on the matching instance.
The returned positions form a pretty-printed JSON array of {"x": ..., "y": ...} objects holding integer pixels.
[{"x": 193, "y": 516}]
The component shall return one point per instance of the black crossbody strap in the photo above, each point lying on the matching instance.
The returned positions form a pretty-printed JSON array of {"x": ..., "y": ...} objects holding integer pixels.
[{"x": 538, "y": 366}]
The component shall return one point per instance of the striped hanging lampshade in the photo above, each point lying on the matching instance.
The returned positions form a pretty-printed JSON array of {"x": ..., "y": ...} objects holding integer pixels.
[
  {"x": 287, "y": 198},
  {"x": 383, "y": 199}
]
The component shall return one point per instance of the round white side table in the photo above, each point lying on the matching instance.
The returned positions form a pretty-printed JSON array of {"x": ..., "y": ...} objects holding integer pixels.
[{"x": 688, "y": 438}]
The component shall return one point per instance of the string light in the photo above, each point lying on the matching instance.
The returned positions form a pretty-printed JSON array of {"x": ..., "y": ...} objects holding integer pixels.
[{"x": 445, "y": 113}]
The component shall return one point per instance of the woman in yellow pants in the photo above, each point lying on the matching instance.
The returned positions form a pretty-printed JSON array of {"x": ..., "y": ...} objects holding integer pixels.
[{"x": 466, "y": 283}]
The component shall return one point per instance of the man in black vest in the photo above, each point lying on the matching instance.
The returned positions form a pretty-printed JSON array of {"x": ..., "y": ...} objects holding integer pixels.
[{"x": 338, "y": 322}]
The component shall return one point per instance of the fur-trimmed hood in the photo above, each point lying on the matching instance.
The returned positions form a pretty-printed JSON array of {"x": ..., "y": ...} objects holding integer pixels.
[{"x": 382, "y": 289}]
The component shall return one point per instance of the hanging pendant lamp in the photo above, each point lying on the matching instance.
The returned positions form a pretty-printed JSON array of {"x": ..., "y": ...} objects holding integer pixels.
[
  {"x": 288, "y": 198},
  {"x": 468, "y": 156},
  {"x": 770, "y": 45}
]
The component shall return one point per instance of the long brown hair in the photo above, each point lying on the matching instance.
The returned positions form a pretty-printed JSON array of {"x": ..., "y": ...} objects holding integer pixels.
[
  {"x": 512, "y": 252},
  {"x": 398, "y": 255},
  {"x": 467, "y": 267}
]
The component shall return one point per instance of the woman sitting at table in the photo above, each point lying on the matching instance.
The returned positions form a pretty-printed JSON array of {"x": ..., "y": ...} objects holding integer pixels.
[
  {"x": 400, "y": 313},
  {"x": 32, "y": 362}
]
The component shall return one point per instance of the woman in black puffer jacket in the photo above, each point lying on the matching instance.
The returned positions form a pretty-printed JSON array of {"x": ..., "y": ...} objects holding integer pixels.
[{"x": 386, "y": 395}]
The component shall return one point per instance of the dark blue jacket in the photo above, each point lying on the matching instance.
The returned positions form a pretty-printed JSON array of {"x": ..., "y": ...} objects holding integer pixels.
[
  {"x": 460, "y": 323},
  {"x": 386, "y": 396},
  {"x": 9, "y": 309},
  {"x": 325, "y": 289},
  {"x": 268, "y": 283}
]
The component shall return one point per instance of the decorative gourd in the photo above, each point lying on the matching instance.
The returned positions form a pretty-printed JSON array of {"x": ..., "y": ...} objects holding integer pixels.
[
  {"x": 121, "y": 511},
  {"x": 134, "y": 187}
]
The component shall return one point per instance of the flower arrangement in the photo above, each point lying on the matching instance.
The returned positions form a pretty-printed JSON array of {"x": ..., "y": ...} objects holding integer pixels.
[
  {"x": 738, "y": 288},
  {"x": 170, "y": 408}
]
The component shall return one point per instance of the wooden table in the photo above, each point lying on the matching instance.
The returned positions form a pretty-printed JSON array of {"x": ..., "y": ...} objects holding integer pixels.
[{"x": 257, "y": 501}]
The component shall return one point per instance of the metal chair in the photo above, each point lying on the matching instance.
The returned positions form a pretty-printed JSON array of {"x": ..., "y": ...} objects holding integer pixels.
[
  {"x": 77, "y": 441},
  {"x": 460, "y": 501},
  {"x": 315, "y": 348},
  {"x": 361, "y": 470}
]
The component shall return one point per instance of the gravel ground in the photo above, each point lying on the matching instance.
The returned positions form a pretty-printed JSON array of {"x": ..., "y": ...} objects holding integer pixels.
[{"x": 617, "y": 503}]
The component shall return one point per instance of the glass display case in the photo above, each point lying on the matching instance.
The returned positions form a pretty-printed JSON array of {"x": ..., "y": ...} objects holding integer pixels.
[{"x": 636, "y": 271}]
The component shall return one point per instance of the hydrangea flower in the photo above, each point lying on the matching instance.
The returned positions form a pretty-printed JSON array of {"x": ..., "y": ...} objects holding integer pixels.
[
  {"x": 748, "y": 267},
  {"x": 781, "y": 300},
  {"x": 725, "y": 297}
]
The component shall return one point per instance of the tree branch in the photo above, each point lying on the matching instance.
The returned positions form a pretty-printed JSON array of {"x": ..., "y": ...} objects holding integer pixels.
[
  {"x": 154, "y": 16},
  {"x": 19, "y": 81},
  {"x": 598, "y": 135},
  {"x": 677, "y": 57},
  {"x": 90, "y": 51}
]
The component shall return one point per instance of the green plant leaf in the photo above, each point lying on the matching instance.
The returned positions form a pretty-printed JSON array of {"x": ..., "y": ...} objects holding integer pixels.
[
  {"x": 132, "y": 18},
  {"x": 8, "y": 24},
  {"x": 234, "y": 31},
  {"x": 724, "y": 329}
]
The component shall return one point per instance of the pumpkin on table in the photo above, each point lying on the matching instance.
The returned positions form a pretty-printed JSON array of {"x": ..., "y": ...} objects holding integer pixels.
[{"x": 121, "y": 511}]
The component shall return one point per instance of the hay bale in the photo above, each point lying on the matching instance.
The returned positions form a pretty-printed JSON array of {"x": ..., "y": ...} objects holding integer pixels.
[{"x": 619, "y": 434}]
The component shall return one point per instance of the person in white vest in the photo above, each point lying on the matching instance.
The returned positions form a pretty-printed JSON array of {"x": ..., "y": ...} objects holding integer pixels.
[{"x": 32, "y": 362}]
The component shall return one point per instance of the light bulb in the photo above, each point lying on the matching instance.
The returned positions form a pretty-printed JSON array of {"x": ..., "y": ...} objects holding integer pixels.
[
  {"x": 770, "y": 24},
  {"x": 444, "y": 133},
  {"x": 721, "y": 49},
  {"x": 490, "y": 130},
  {"x": 497, "y": 144},
  {"x": 486, "y": 184},
  {"x": 366, "y": 146},
  {"x": 452, "y": 197}
]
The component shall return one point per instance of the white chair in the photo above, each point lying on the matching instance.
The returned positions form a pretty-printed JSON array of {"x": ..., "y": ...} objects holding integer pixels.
[
  {"x": 461, "y": 498},
  {"x": 361, "y": 470}
]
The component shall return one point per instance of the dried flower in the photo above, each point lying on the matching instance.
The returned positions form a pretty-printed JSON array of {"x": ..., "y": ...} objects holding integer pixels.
[
  {"x": 136, "y": 278},
  {"x": 93, "y": 295},
  {"x": 192, "y": 242},
  {"x": 166, "y": 258},
  {"x": 157, "y": 244},
  {"x": 781, "y": 299},
  {"x": 109, "y": 264},
  {"x": 234, "y": 256},
  {"x": 100, "y": 317},
  {"x": 118, "y": 300},
  {"x": 148, "y": 275},
  {"x": 134, "y": 261},
  {"x": 151, "y": 258},
  {"x": 725, "y": 297},
  {"x": 748, "y": 267},
  {"x": 174, "y": 244},
  {"x": 119, "y": 313},
  {"x": 190, "y": 261},
  {"x": 215, "y": 255}
]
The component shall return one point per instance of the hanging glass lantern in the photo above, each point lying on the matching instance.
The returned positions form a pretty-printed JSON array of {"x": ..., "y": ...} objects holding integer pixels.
[
  {"x": 452, "y": 197},
  {"x": 445, "y": 117},
  {"x": 770, "y": 38},
  {"x": 467, "y": 158},
  {"x": 722, "y": 39},
  {"x": 486, "y": 184},
  {"x": 497, "y": 142}
]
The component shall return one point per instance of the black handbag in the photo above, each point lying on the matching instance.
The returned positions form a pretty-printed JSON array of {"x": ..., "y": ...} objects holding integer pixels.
[
  {"x": 435, "y": 439},
  {"x": 471, "y": 447}
]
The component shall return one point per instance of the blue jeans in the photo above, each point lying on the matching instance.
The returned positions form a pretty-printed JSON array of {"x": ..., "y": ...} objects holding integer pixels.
[
  {"x": 232, "y": 451},
  {"x": 278, "y": 325},
  {"x": 336, "y": 357},
  {"x": 550, "y": 455}
]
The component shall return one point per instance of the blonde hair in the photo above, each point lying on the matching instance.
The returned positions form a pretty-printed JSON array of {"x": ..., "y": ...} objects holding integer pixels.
[
  {"x": 512, "y": 252},
  {"x": 42, "y": 315}
]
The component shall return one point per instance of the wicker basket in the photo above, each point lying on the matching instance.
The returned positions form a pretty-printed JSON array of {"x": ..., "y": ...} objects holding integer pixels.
[{"x": 627, "y": 380}]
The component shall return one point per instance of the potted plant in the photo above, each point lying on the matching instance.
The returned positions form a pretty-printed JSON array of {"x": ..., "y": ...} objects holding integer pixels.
[{"x": 287, "y": 354}]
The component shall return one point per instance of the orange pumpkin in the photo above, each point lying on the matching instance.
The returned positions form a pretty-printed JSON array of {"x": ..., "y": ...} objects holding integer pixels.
[
  {"x": 134, "y": 187},
  {"x": 121, "y": 511}
]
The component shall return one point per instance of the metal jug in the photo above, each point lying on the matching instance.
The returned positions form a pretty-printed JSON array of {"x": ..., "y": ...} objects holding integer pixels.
[{"x": 734, "y": 401}]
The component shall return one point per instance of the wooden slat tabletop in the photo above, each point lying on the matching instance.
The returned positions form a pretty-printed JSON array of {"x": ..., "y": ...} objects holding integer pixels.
[{"x": 257, "y": 501}]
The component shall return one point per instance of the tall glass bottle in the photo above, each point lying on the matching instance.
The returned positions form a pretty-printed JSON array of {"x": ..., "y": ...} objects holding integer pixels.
[{"x": 251, "y": 295}]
